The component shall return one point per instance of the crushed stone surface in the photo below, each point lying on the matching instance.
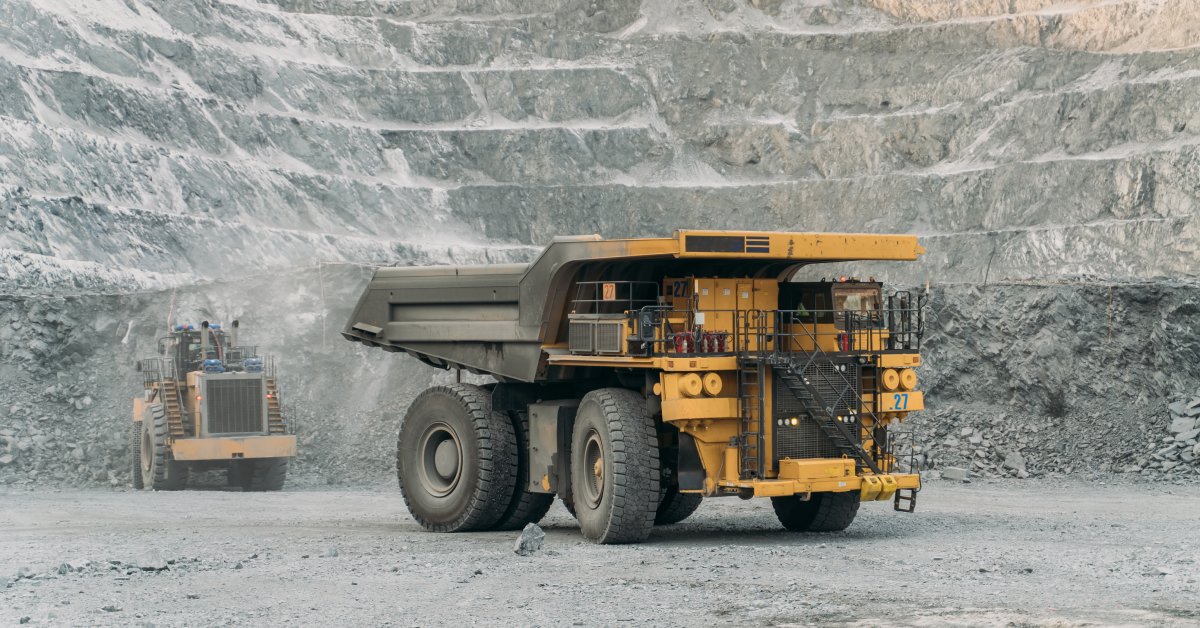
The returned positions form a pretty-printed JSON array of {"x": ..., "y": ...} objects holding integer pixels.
[{"x": 1000, "y": 552}]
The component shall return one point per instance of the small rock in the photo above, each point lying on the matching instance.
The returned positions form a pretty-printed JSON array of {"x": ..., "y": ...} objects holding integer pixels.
[
  {"x": 531, "y": 540},
  {"x": 955, "y": 473},
  {"x": 6, "y": 460},
  {"x": 330, "y": 553},
  {"x": 1188, "y": 435},
  {"x": 24, "y": 619},
  {"x": 110, "y": 608},
  {"x": 193, "y": 596},
  {"x": 1015, "y": 461}
]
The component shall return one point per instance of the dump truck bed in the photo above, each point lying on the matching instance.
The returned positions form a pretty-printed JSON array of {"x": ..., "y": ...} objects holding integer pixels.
[{"x": 498, "y": 319}]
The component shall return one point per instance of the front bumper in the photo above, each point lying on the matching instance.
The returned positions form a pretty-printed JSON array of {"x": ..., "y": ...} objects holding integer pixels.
[
  {"x": 827, "y": 475},
  {"x": 234, "y": 447}
]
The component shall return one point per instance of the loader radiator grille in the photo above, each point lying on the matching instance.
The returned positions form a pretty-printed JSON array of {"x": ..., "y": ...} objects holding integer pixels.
[
  {"x": 234, "y": 406},
  {"x": 806, "y": 440}
]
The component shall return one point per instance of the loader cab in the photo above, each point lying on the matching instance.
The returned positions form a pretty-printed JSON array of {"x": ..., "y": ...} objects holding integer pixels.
[{"x": 185, "y": 348}]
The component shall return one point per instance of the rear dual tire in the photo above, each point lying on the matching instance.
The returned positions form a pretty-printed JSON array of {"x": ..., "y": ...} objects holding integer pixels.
[{"x": 462, "y": 467}]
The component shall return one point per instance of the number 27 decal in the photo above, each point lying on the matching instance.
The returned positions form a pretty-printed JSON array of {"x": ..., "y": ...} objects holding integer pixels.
[{"x": 900, "y": 401}]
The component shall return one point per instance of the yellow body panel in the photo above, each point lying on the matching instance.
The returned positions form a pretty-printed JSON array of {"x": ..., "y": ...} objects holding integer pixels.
[
  {"x": 232, "y": 447},
  {"x": 899, "y": 360},
  {"x": 770, "y": 245}
]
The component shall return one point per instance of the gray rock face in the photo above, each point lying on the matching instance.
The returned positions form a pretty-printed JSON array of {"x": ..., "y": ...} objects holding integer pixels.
[{"x": 255, "y": 160}]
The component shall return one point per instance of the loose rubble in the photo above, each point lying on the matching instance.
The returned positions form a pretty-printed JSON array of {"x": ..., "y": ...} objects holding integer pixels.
[
  {"x": 531, "y": 540},
  {"x": 1178, "y": 451}
]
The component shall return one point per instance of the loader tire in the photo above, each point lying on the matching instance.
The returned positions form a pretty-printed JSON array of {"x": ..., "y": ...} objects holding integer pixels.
[
  {"x": 676, "y": 506},
  {"x": 456, "y": 459},
  {"x": 159, "y": 470},
  {"x": 823, "y": 512},
  {"x": 614, "y": 467},
  {"x": 524, "y": 507},
  {"x": 268, "y": 474},
  {"x": 135, "y": 444}
]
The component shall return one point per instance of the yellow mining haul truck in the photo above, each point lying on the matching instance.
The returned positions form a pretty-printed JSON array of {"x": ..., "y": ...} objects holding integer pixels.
[
  {"x": 635, "y": 377},
  {"x": 209, "y": 403}
]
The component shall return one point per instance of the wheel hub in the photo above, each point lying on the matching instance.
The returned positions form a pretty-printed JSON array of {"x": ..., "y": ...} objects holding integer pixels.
[
  {"x": 441, "y": 460},
  {"x": 593, "y": 459},
  {"x": 445, "y": 459},
  {"x": 147, "y": 450}
]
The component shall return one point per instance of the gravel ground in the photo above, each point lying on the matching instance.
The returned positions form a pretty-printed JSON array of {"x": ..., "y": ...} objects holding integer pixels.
[{"x": 1035, "y": 552}]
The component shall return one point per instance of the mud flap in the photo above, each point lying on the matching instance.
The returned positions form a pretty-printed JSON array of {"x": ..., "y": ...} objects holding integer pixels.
[{"x": 691, "y": 470}]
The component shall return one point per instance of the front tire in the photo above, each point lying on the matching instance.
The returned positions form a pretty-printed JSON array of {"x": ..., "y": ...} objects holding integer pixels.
[
  {"x": 456, "y": 459},
  {"x": 614, "y": 467},
  {"x": 823, "y": 512},
  {"x": 159, "y": 470},
  {"x": 135, "y": 444},
  {"x": 268, "y": 474}
]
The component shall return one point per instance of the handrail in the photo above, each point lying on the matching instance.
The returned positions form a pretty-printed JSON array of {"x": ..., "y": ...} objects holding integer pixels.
[{"x": 666, "y": 330}]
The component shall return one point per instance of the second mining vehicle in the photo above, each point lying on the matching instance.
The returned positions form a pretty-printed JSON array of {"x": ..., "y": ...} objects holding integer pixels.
[{"x": 209, "y": 402}]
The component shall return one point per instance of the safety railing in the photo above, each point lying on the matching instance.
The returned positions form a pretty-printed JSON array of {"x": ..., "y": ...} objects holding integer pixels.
[
  {"x": 614, "y": 297},
  {"x": 154, "y": 370},
  {"x": 665, "y": 330}
]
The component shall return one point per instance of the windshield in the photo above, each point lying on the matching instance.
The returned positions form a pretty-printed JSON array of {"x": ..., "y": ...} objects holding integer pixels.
[{"x": 863, "y": 300}]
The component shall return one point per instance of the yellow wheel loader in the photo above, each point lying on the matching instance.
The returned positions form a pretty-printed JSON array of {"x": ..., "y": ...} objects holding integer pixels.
[{"x": 209, "y": 403}]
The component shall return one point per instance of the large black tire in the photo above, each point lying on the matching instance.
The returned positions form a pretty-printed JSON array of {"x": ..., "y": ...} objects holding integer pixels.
[
  {"x": 135, "y": 444},
  {"x": 823, "y": 512},
  {"x": 676, "y": 506},
  {"x": 267, "y": 474},
  {"x": 456, "y": 459},
  {"x": 159, "y": 471},
  {"x": 524, "y": 507},
  {"x": 614, "y": 467}
]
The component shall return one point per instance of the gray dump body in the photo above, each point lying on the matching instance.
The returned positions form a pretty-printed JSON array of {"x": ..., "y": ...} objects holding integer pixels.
[{"x": 449, "y": 316}]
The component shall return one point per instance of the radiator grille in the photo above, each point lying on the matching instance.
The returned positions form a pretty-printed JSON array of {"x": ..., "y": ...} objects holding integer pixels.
[
  {"x": 608, "y": 337},
  {"x": 234, "y": 406},
  {"x": 580, "y": 337},
  {"x": 806, "y": 440}
]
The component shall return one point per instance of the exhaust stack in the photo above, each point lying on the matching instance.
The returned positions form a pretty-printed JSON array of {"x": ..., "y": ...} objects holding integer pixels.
[
  {"x": 203, "y": 340},
  {"x": 233, "y": 335}
]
